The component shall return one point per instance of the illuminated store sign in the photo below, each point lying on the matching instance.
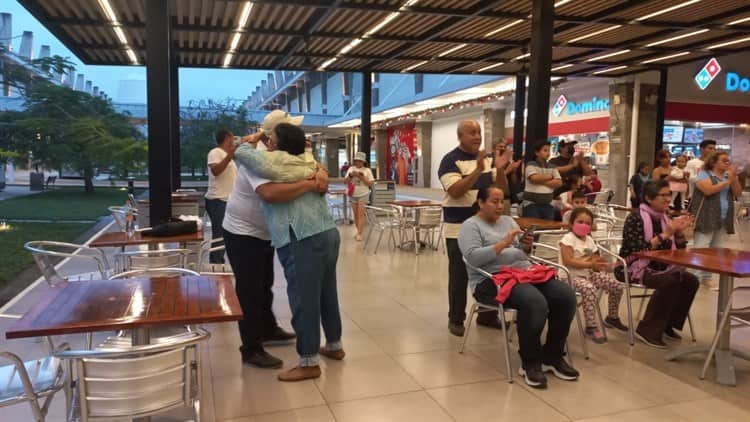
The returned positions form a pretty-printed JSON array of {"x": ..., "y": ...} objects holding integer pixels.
[
  {"x": 571, "y": 108},
  {"x": 733, "y": 81}
]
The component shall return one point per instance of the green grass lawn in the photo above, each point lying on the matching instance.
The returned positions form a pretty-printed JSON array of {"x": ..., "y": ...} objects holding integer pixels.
[
  {"x": 65, "y": 203},
  {"x": 14, "y": 258}
]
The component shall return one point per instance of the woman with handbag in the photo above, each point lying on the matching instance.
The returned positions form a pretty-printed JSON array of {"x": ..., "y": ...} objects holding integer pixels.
[
  {"x": 359, "y": 179},
  {"x": 650, "y": 228},
  {"x": 716, "y": 187}
]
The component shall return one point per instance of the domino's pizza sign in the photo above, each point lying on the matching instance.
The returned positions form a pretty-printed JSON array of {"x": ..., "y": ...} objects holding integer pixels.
[
  {"x": 733, "y": 81},
  {"x": 581, "y": 107},
  {"x": 559, "y": 106}
]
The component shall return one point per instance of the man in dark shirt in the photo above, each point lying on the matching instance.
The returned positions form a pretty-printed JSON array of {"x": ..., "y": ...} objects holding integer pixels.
[{"x": 568, "y": 165}]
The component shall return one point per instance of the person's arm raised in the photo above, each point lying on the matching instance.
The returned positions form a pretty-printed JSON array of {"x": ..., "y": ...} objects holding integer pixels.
[{"x": 459, "y": 189}]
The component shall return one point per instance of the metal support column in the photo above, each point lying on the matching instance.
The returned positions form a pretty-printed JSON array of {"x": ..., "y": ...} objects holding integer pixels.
[
  {"x": 174, "y": 111},
  {"x": 519, "y": 120},
  {"x": 661, "y": 104},
  {"x": 542, "y": 32},
  {"x": 366, "y": 116},
  {"x": 158, "y": 41}
]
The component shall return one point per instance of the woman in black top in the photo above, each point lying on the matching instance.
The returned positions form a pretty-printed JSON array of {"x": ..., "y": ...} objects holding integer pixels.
[
  {"x": 637, "y": 182},
  {"x": 649, "y": 228}
]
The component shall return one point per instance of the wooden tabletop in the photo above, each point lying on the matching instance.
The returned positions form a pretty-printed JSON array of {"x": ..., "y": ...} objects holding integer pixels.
[
  {"x": 120, "y": 239},
  {"x": 109, "y": 305},
  {"x": 541, "y": 224},
  {"x": 415, "y": 204},
  {"x": 730, "y": 262}
]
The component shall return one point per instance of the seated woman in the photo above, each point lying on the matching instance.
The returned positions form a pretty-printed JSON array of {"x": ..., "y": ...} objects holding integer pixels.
[
  {"x": 649, "y": 228},
  {"x": 488, "y": 241}
]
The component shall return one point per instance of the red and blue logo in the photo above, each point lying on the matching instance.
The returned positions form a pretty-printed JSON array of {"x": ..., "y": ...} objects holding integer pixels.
[
  {"x": 708, "y": 74},
  {"x": 559, "y": 105}
]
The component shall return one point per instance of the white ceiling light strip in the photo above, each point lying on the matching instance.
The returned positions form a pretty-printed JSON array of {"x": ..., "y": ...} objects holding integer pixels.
[
  {"x": 611, "y": 69},
  {"x": 667, "y": 10},
  {"x": 241, "y": 23},
  {"x": 678, "y": 37},
  {"x": 451, "y": 50},
  {"x": 119, "y": 33},
  {"x": 355, "y": 42},
  {"x": 724, "y": 44},
  {"x": 562, "y": 3},
  {"x": 738, "y": 21},
  {"x": 605, "y": 56},
  {"x": 492, "y": 66},
  {"x": 671, "y": 56},
  {"x": 414, "y": 66},
  {"x": 595, "y": 33},
  {"x": 565, "y": 66},
  {"x": 503, "y": 28},
  {"x": 522, "y": 56}
]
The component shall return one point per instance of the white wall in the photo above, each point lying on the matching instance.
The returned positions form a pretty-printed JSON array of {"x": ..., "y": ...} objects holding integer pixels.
[{"x": 444, "y": 140}]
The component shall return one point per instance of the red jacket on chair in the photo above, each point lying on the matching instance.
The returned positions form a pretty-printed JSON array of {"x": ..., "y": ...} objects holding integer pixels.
[{"x": 509, "y": 277}]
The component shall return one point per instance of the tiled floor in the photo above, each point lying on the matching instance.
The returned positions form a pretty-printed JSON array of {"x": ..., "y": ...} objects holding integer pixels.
[{"x": 402, "y": 365}]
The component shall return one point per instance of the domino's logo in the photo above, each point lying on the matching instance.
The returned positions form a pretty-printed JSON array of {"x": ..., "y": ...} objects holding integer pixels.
[
  {"x": 708, "y": 74},
  {"x": 559, "y": 105}
]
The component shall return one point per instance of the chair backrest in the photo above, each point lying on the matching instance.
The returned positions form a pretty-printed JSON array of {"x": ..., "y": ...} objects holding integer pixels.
[
  {"x": 550, "y": 255},
  {"x": 548, "y": 238},
  {"x": 155, "y": 272},
  {"x": 429, "y": 216},
  {"x": 203, "y": 265},
  {"x": 137, "y": 381},
  {"x": 141, "y": 260},
  {"x": 380, "y": 216},
  {"x": 118, "y": 214},
  {"x": 47, "y": 253}
]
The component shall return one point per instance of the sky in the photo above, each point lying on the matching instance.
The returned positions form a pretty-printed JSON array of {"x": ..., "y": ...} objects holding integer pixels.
[{"x": 195, "y": 84}]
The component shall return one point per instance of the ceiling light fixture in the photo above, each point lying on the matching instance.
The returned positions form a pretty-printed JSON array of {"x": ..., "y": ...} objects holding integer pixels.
[
  {"x": 326, "y": 63},
  {"x": 451, "y": 50},
  {"x": 595, "y": 33},
  {"x": 414, "y": 66},
  {"x": 492, "y": 66},
  {"x": 565, "y": 66},
  {"x": 677, "y": 37},
  {"x": 241, "y": 23},
  {"x": 738, "y": 21},
  {"x": 667, "y": 10},
  {"x": 605, "y": 56},
  {"x": 503, "y": 28},
  {"x": 522, "y": 56},
  {"x": 119, "y": 33},
  {"x": 724, "y": 44},
  {"x": 347, "y": 48},
  {"x": 611, "y": 69},
  {"x": 671, "y": 56},
  {"x": 562, "y": 3}
]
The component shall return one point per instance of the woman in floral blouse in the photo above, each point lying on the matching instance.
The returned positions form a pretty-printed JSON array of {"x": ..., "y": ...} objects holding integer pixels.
[{"x": 649, "y": 228}]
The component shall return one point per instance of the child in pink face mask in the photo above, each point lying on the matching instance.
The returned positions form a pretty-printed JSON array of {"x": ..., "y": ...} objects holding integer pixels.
[{"x": 590, "y": 272}]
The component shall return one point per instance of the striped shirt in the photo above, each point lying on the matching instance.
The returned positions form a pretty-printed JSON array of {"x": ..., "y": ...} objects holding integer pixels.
[{"x": 456, "y": 165}]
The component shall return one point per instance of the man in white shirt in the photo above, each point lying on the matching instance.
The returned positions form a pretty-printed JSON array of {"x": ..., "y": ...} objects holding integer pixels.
[
  {"x": 221, "y": 174},
  {"x": 695, "y": 165},
  {"x": 248, "y": 246}
]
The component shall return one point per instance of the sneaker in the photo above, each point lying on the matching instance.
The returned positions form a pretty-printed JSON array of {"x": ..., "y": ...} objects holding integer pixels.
[
  {"x": 456, "y": 328},
  {"x": 300, "y": 373},
  {"x": 533, "y": 376},
  {"x": 261, "y": 360},
  {"x": 671, "y": 334},
  {"x": 561, "y": 369},
  {"x": 656, "y": 343},
  {"x": 595, "y": 335},
  {"x": 332, "y": 354},
  {"x": 279, "y": 335},
  {"x": 493, "y": 323},
  {"x": 614, "y": 322}
]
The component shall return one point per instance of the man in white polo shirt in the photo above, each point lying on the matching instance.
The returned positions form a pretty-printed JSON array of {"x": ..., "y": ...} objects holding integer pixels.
[
  {"x": 248, "y": 245},
  {"x": 221, "y": 174}
]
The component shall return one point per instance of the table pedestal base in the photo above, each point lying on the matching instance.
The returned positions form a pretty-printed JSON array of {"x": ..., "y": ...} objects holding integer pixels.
[{"x": 724, "y": 361}]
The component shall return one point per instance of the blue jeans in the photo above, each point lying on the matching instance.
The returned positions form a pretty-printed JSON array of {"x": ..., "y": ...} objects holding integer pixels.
[
  {"x": 216, "y": 209},
  {"x": 310, "y": 270},
  {"x": 543, "y": 211}
]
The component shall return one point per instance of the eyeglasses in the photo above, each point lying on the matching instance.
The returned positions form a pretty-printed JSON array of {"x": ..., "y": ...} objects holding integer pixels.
[{"x": 665, "y": 195}]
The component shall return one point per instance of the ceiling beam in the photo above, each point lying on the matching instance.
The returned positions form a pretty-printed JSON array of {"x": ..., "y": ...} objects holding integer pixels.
[{"x": 317, "y": 19}]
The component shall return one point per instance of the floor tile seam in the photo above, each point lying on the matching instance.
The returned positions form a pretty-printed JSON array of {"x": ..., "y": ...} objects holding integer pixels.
[
  {"x": 449, "y": 385},
  {"x": 274, "y": 412},
  {"x": 440, "y": 349},
  {"x": 378, "y": 396},
  {"x": 640, "y": 409}
]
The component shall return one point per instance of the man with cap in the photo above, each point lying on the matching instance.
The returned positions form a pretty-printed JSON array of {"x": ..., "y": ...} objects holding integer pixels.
[
  {"x": 569, "y": 164},
  {"x": 248, "y": 246}
]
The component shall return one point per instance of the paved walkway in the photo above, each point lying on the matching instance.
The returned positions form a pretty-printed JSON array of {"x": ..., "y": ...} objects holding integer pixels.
[{"x": 13, "y": 191}]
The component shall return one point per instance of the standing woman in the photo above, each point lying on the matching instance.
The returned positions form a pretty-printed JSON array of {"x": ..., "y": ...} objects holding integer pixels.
[
  {"x": 650, "y": 228},
  {"x": 361, "y": 177},
  {"x": 662, "y": 167},
  {"x": 636, "y": 184},
  {"x": 716, "y": 187}
]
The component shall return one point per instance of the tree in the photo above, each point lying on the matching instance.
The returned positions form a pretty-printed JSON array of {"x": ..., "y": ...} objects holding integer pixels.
[{"x": 199, "y": 124}]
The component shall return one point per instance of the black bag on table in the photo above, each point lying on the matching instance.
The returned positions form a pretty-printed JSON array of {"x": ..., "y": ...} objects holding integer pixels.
[{"x": 172, "y": 228}]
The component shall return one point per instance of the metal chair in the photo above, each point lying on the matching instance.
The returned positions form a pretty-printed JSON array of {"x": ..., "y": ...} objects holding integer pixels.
[
  {"x": 155, "y": 272},
  {"x": 46, "y": 254},
  {"x": 335, "y": 207},
  {"x": 118, "y": 214},
  {"x": 427, "y": 220},
  {"x": 138, "y": 381},
  {"x": 141, "y": 260},
  {"x": 33, "y": 380},
  {"x": 740, "y": 316},
  {"x": 381, "y": 219},
  {"x": 609, "y": 247},
  {"x": 478, "y": 307},
  {"x": 204, "y": 265}
]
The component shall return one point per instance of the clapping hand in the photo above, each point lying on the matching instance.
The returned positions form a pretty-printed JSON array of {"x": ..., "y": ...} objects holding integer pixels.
[
  {"x": 503, "y": 157},
  {"x": 481, "y": 156}
]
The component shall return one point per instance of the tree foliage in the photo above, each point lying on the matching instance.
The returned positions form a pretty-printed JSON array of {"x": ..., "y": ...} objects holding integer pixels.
[{"x": 198, "y": 125}]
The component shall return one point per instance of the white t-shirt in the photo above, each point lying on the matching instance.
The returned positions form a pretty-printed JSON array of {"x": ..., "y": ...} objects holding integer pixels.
[
  {"x": 694, "y": 167},
  {"x": 244, "y": 215},
  {"x": 220, "y": 186},
  {"x": 360, "y": 188},
  {"x": 581, "y": 249}
]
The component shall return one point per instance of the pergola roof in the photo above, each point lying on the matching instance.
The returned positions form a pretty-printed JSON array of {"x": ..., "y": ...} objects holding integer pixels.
[{"x": 611, "y": 37}]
